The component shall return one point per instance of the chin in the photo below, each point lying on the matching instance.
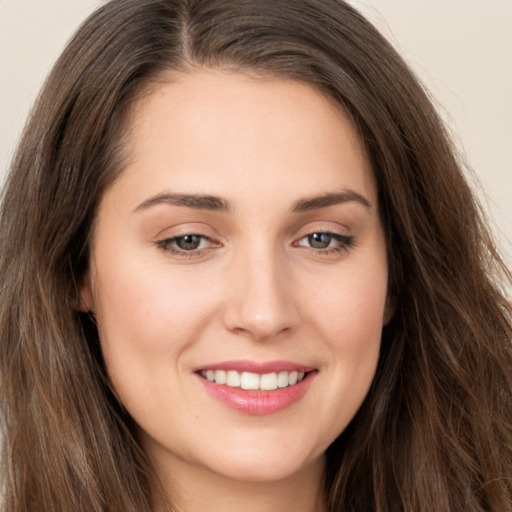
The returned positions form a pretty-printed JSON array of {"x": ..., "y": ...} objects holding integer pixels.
[
  {"x": 266, "y": 462},
  {"x": 265, "y": 471}
]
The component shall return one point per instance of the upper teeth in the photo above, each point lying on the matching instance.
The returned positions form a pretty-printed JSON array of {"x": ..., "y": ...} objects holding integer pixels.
[{"x": 249, "y": 380}]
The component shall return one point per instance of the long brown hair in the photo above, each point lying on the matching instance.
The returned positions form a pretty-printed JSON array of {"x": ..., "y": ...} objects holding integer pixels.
[{"x": 434, "y": 432}]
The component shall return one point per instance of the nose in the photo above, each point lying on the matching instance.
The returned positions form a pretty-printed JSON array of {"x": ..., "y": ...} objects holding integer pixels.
[{"x": 261, "y": 302}]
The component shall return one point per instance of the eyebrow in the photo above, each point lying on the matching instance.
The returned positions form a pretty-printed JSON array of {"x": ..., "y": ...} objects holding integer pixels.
[
  {"x": 325, "y": 200},
  {"x": 196, "y": 201},
  {"x": 218, "y": 204}
]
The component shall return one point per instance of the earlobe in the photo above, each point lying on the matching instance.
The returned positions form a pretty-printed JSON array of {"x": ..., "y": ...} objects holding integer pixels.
[{"x": 86, "y": 302}]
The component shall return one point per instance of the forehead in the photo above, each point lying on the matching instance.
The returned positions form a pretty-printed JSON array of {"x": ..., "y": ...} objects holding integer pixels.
[{"x": 210, "y": 129}]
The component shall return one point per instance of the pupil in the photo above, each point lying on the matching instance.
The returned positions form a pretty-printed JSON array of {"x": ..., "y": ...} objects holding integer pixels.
[
  {"x": 188, "y": 242},
  {"x": 319, "y": 240}
]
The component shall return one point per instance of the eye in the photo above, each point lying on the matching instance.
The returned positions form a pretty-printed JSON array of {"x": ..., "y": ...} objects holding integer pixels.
[
  {"x": 189, "y": 242},
  {"x": 186, "y": 244},
  {"x": 326, "y": 242},
  {"x": 320, "y": 240}
]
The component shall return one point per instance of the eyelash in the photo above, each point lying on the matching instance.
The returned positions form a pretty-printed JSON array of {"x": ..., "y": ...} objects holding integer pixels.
[
  {"x": 344, "y": 242},
  {"x": 168, "y": 245}
]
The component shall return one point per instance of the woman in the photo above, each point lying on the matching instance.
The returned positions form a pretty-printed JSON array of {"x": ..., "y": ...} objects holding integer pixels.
[{"x": 242, "y": 269}]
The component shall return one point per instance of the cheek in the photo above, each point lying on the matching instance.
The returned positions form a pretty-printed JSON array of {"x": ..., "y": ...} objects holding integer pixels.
[
  {"x": 349, "y": 319},
  {"x": 357, "y": 318},
  {"x": 148, "y": 307},
  {"x": 351, "y": 303},
  {"x": 146, "y": 320}
]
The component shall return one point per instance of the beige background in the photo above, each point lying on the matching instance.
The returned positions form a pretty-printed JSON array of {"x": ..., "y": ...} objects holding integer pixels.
[{"x": 461, "y": 49}]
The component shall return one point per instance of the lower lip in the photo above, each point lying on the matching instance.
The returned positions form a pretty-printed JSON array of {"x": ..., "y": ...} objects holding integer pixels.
[{"x": 258, "y": 402}]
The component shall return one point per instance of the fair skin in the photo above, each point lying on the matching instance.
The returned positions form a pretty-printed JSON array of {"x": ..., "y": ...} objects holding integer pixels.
[{"x": 243, "y": 236}]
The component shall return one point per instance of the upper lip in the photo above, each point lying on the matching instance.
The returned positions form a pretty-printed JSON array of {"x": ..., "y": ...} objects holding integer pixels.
[{"x": 257, "y": 366}]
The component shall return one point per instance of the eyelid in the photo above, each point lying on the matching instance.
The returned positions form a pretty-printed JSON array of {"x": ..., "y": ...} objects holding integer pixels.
[
  {"x": 328, "y": 227},
  {"x": 338, "y": 233},
  {"x": 332, "y": 234},
  {"x": 175, "y": 239},
  {"x": 342, "y": 239},
  {"x": 168, "y": 244},
  {"x": 183, "y": 228}
]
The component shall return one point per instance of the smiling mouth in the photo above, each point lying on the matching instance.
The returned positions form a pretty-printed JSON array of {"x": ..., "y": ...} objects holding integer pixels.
[
  {"x": 254, "y": 381},
  {"x": 253, "y": 388}
]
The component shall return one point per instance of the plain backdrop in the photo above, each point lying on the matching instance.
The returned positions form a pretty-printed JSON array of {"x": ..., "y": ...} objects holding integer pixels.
[{"x": 461, "y": 49}]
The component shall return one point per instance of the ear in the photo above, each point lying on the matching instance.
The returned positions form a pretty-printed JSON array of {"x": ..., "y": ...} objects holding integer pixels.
[{"x": 86, "y": 304}]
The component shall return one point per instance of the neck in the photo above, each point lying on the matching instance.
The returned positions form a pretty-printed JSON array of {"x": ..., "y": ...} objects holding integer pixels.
[{"x": 193, "y": 490}]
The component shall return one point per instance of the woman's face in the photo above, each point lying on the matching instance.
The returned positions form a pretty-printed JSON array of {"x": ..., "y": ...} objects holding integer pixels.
[{"x": 240, "y": 248}]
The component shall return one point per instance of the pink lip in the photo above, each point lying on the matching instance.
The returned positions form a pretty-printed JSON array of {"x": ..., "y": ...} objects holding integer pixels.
[
  {"x": 257, "y": 402},
  {"x": 257, "y": 367}
]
